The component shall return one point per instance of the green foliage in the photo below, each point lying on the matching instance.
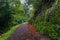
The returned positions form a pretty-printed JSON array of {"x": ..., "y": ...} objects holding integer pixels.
[
  {"x": 5, "y": 16},
  {"x": 8, "y": 34},
  {"x": 48, "y": 23},
  {"x": 11, "y": 14},
  {"x": 47, "y": 20},
  {"x": 54, "y": 17}
]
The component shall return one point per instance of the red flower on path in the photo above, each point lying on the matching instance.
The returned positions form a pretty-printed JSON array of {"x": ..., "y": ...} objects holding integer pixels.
[{"x": 26, "y": 32}]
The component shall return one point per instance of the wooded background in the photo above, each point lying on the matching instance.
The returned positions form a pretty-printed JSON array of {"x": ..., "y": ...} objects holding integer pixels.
[{"x": 44, "y": 15}]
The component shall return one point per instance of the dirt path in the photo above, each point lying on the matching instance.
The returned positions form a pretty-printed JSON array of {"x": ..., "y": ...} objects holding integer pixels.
[{"x": 25, "y": 32}]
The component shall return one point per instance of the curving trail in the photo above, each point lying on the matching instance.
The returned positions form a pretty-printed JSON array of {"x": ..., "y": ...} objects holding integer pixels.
[{"x": 26, "y": 32}]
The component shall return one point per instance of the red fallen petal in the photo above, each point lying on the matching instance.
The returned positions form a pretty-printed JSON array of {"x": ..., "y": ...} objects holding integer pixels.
[
  {"x": 43, "y": 38},
  {"x": 32, "y": 30}
]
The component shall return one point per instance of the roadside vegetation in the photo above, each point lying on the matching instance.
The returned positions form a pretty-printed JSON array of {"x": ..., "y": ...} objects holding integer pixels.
[{"x": 44, "y": 15}]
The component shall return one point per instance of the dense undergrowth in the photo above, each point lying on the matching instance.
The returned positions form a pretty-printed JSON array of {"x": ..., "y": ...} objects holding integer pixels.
[{"x": 49, "y": 23}]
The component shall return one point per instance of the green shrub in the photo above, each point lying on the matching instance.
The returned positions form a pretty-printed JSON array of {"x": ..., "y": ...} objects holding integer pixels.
[{"x": 49, "y": 24}]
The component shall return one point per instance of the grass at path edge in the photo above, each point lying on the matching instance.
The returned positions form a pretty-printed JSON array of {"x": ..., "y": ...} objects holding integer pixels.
[{"x": 7, "y": 34}]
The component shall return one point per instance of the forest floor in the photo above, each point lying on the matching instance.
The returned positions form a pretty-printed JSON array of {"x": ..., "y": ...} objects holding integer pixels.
[
  {"x": 26, "y": 32},
  {"x": 22, "y": 31}
]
